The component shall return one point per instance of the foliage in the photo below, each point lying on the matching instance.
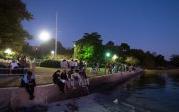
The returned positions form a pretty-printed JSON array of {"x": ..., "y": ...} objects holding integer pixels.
[
  {"x": 132, "y": 61},
  {"x": 50, "y": 64},
  {"x": 89, "y": 48},
  {"x": 7, "y": 56},
  {"x": 174, "y": 60},
  {"x": 44, "y": 50},
  {"x": 12, "y": 13}
]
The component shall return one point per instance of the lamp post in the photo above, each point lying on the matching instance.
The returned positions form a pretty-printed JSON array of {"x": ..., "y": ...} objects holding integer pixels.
[
  {"x": 107, "y": 55},
  {"x": 52, "y": 53},
  {"x": 114, "y": 57},
  {"x": 56, "y": 34},
  {"x": 74, "y": 46}
]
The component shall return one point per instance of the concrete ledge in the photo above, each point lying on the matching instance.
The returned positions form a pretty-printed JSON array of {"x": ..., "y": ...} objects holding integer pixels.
[{"x": 17, "y": 97}]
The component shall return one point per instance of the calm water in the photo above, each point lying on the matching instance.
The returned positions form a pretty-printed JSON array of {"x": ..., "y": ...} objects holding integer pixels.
[{"x": 147, "y": 93}]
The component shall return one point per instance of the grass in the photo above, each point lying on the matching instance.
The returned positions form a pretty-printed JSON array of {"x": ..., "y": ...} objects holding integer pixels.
[{"x": 43, "y": 76}]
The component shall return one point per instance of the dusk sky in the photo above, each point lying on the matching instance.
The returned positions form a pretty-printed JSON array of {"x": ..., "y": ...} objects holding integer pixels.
[{"x": 146, "y": 24}]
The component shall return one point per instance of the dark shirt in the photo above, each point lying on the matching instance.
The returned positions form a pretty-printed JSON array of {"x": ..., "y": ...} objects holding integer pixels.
[
  {"x": 64, "y": 76},
  {"x": 56, "y": 77}
]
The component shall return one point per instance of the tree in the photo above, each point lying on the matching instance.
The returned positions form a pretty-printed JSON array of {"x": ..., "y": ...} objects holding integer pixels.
[
  {"x": 110, "y": 43},
  {"x": 124, "y": 47},
  {"x": 160, "y": 61},
  {"x": 132, "y": 61},
  {"x": 46, "y": 47},
  {"x": 12, "y": 34},
  {"x": 174, "y": 60},
  {"x": 89, "y": 48}
]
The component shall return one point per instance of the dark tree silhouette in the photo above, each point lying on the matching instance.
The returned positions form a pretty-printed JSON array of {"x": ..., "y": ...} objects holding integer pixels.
[{"x": 12, "y": 34}]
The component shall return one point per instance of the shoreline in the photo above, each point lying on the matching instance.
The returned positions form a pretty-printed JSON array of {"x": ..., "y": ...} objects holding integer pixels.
[
  {"x": 44, "y": 94},
  {"x": 153, "y": 71}
]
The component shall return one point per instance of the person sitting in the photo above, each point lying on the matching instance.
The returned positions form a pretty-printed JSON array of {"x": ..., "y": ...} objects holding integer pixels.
[
  {"x": 29, "y": 81},
  {"x": 13, "y": 66},
  {"x": 64, "y": 78},
  {"x": 57, "y": 80},
  {"x": 76, "y": 79},
  {"x": 70, "y": 79}
]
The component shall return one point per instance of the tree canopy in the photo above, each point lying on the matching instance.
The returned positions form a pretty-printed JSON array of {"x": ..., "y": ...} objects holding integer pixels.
[
  {"x": 89, "y": 47},
  {"x": 12, "y": 34},
  {"x": 174, "y": 60}
]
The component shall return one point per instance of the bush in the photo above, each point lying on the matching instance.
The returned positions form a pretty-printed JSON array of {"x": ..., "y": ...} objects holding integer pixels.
[{"x": 50, "y": 64}]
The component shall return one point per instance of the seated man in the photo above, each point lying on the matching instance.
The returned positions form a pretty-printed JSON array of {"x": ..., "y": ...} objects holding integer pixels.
[
  {"x": 57, "y": 80},
  {"x": 29, "y": 82},
  {"x": 13, "y": 66}
]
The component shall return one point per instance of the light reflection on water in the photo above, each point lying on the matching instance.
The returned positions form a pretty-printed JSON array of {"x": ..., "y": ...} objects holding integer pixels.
[{"x": 150, "y": 92}]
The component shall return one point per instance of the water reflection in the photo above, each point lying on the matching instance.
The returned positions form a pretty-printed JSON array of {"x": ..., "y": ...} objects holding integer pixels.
[
  {"x": 149, "y": 92},
  {"x": 151, "y": 81}
]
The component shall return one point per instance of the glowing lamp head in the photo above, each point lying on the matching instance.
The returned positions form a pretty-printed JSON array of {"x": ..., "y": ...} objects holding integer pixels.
[
  {"x": 52, "y": 52},
  {"x": 108, "y": 54},
  {"x": 114, "y": 57},
  {"x": 44, "y": 36},
  {"x": 74, "y": 45},
  {"x": 8, "y": 51}
]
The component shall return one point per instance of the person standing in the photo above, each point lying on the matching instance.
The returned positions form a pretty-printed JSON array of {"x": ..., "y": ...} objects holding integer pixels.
[{"x": 84, "y": 78}]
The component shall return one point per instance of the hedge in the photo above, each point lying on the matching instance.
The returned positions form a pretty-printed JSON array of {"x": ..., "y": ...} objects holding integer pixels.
[{"x": 50, "y": 64}]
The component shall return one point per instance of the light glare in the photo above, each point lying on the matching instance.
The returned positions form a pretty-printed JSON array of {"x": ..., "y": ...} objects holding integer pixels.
[{"x": 44, "y": 36}]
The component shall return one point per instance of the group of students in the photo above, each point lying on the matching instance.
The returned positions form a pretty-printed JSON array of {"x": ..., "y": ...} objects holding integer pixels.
[
  {"x": 72, "y": 79},
  {"x": 65, "y": 79}
]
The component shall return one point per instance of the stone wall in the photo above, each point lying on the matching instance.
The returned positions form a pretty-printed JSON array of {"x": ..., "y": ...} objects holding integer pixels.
[{"x": 17, "y": 97}]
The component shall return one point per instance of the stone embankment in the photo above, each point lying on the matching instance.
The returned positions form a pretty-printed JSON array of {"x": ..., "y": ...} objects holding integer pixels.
[{"x": 16, "y": 97}]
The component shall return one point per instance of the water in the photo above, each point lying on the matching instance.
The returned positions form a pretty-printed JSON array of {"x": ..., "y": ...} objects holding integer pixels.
[
  {"x": 152, "y": 93},
  {"x": 147, "y": 93}
]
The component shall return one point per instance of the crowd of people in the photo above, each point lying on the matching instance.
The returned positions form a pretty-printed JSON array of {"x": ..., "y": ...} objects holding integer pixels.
[
  {"x": 72, "y": 79},
  {"x": 72, "y": 75},
  {"x": 18, "y": 66}
]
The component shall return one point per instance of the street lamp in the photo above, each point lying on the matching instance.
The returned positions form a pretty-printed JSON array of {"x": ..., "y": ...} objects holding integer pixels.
[
  {"x": 8, "y": 51},
  {"x": 114, "y": 57},
  {"x": 44, "y": 36},
  {"x": 74, "y": 45},
  {"x": 108, "y": 54},
  {"x": 52, "y": 52}
]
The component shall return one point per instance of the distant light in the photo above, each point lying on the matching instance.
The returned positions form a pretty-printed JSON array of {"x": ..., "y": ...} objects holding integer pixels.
[
  {"x": 44, "y": 36},
  {"x": 108, "y": 54},
  {"x": 114, "y": 57},
  {"x": 52, "y": 52},
  {"x": 74, "y": 45},
  {"x": 8, "y": 51}
]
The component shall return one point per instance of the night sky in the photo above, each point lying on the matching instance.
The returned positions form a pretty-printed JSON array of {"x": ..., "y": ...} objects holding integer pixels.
[{"x": 147, "y": 24}]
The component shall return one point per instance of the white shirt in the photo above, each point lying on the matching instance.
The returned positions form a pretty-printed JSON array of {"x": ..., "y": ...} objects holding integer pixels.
[
  {"x": 26, "y": 80},
  {"x": 64, "y": 64},
  {"x": 76, "y": 75},
  {"x": 75, "y": 64},
  {"x": 13, "y": 65}
]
